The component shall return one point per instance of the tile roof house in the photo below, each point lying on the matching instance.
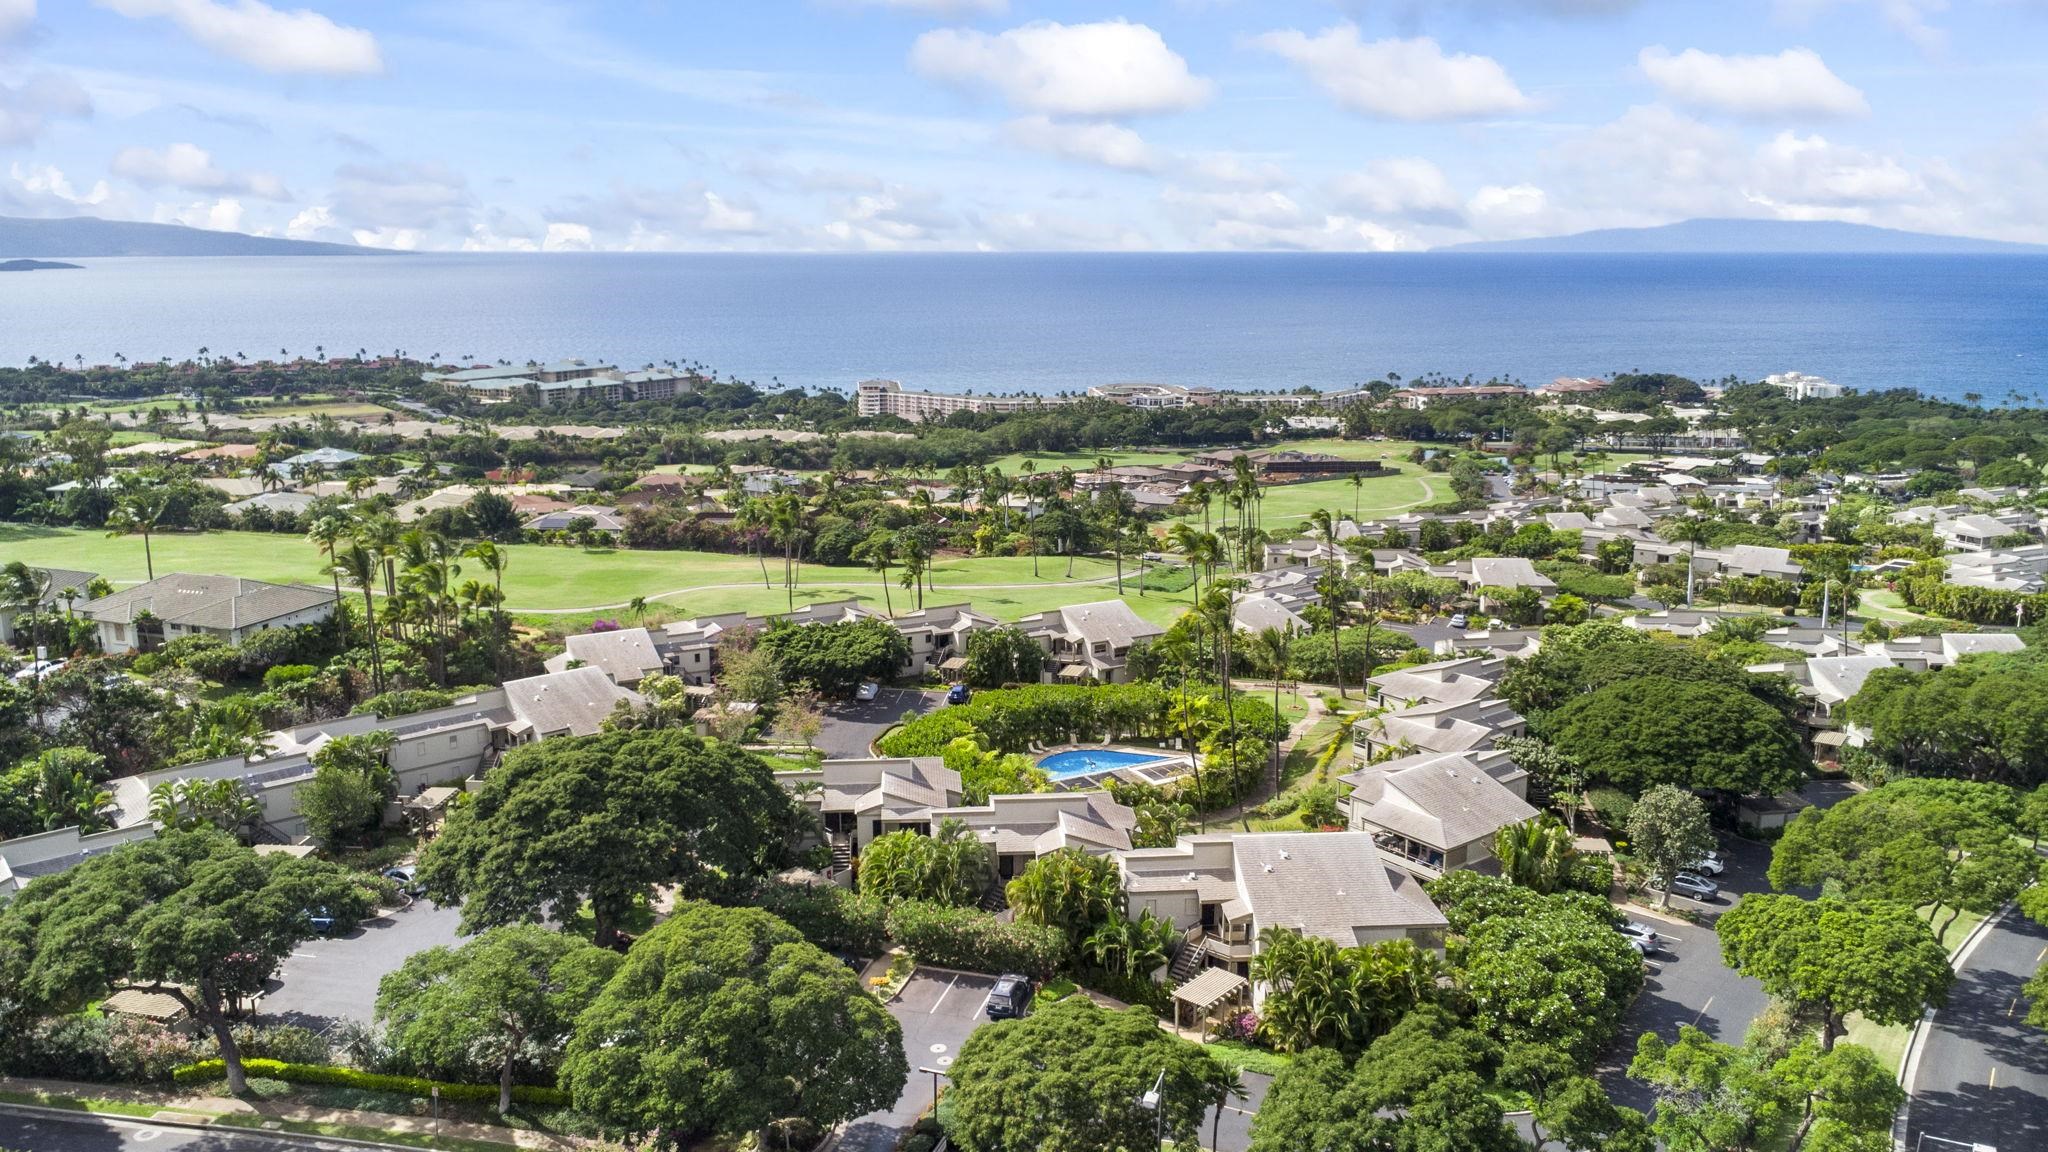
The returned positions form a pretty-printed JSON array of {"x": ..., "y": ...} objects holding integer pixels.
[
  {"x": 1221, "y": 891},
  {"x": 1089, "y": 641},
  {"x": 1432, "y": 814},
  {"x": 182, "y": 604}
]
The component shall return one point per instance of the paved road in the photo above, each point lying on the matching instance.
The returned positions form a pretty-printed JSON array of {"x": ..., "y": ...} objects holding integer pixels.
[
  {"x": 939, "y": 1010},
  {"x": 36, "y": 1132},
  {"x": 326, "y": 981},
  {"x": 1982, "y": 1074},
  {"x": 851, "y": 726}
]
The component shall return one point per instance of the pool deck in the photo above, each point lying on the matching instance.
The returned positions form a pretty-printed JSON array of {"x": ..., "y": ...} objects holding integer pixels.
[{"x": 1162, "y": 766}]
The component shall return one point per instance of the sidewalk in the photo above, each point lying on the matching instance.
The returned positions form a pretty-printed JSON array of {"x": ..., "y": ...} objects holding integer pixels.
[{"x": 176, "y": 1107}]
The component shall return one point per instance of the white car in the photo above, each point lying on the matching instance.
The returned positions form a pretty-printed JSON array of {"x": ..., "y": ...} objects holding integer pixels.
[
  {"x": 1641, "y": 935},
  {"x": 1708, "y": 865},
  {"x": 868, "y": 690},
  {"x": 39, "y": 669}
]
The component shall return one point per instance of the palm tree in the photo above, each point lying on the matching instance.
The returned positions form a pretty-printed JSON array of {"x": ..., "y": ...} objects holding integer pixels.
[
  {"x": 1692, "y": 532},
  {"x": 878, "y": 551},
  {"x": 23, "y": 592},
  {"x": 137, "y": 510},
  {"x": 1357, "y": 493},
  {"x": 1536, "y": 853},
  {"x": 358, "y": 565},
  {"x": 494, "y": 559},
  {"x": 786, "y": 517},
  {"x": 1274, "y": 647}
]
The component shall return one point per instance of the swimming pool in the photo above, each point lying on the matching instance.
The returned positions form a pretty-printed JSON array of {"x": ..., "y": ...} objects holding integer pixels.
[{"x": 1089, "y": 761}]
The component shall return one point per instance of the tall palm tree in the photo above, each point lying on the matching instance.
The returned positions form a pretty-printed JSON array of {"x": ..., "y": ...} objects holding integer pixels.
[
  {"x": 1357, "y": 493},
  {"x": 786, "y": 517},
  {"x": 1692, "y": 532},
  {"x": 138, "y": 508},
  {"x": 494, "y": 559},
  {"x": 878, "y": 552},
  {"x": 1274, "y": 646},
  {"x": 358, "y": 565}
]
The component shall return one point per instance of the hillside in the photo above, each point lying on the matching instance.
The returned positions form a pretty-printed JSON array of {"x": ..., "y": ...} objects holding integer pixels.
[
  {"x": 91, "y": 236},
  {"x": 1782, "y": 237}
]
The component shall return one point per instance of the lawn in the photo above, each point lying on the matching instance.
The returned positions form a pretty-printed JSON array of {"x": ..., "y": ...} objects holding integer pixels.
[
  {"x": 308, "y": 409},
  {"x": 555, "y": 586}
]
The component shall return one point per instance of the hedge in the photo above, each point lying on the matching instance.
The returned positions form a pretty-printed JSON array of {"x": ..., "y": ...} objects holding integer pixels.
[
  {"x": 827, "y": 915},
  {"x": 206, "y": 1071},
  {"x": 975, "y": 940}
]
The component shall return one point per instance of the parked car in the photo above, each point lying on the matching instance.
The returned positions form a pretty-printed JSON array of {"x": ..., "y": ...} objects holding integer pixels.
[
  {"x": 868, "y": 690},
  {"x": 958, "y": 694},
  {"x": 321, "y": 919},
  {"x": 39, "y": 669},
  {"x": 1642, "y": 936},
  {"x": 1459, "y": 620},
  {"x": 1709, "y": 865},
  {"x": 406, "y": 879},
  {"x": 1010, "y": 998},
  {"x": 1694, "y": 885}
]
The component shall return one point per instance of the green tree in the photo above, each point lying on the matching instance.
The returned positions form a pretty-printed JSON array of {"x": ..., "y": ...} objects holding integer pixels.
[
  {"x": 193, "y": 914},
  {"x": 1069, "y": 890},
  {"x": 725, "y": 1021},
  {"x": 504, "y": 1001},
  {"x": 1321, "y": 995},
  {"x": 950, "y": 866},
  {"x": 1072, "y": 1075},
  {"x": 1837, "y": 957},
  {"x": 1846, "y": 1097},
  {"x": 1711, "y": 1097},
  {"x": 351, "y": 784},
  {"x": 1669, "y": 829},
  {"x": 1537, "y": 853},
  {"x": 999, "y": 656},
  {"x": 191, "y": 803},
  {"x": 1421, "y": 1087},
  {"x": 602, "y": 820},
  {"x": 837, "y": 657},
  {"x": 1637, "y": 734}
]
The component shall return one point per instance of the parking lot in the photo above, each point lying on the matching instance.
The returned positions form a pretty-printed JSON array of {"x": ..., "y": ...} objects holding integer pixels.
[
  {"x": 939, "y": 1010},
  {"x": 328, "y": 980},
  {"x": 852, "y": 725}
]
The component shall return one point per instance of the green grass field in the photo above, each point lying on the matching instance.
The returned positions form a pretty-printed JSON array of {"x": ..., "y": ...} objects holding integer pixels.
[{"x": 555, "y": 586}]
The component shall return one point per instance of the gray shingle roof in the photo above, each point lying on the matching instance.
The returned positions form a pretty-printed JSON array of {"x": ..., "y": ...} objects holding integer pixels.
[
  {"x": 1445, "y": 804},
  {"x": 218, "y": 602},
  {"x": 1328, "y": 884},
  {"x": 574, "y": 701},
  {"x": 624, "y": 656}
]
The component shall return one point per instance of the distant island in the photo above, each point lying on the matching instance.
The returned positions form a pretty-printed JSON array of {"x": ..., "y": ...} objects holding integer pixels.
[
  {"x": 22, "y": 236},
  {"x": 34, "y": 265},
  {"x": 1772, "y": 237}
]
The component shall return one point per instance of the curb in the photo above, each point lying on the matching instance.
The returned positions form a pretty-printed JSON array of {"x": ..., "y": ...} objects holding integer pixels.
[
  {"x": 228, "y": 1130},
  {"x": 1909, "y": 1062}
]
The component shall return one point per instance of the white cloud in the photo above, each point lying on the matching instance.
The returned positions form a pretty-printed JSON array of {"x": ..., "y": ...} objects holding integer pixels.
[
  {"x": 1112, "y": 68},
  {"x": 15, "y": 17},
  {"x": 1274, "y": 220},
  {"x": 262, "y": 37},
  {"x": 1090, "y": 142},
  {"x": 28, "y": 108},
  {"x": 310, "y": 223},
  {"x": 563, "y": 236},
  {"x": 1795, "y": 82},
  {"x": 222, "y": 215},
  {"x": 191, "y": 168},
  {"x": 1808, "y": 169},
  {"x": 938, "y": 7},
  {"x": 403, "y": 239},
  {"x": 45, "y": 186},
  {"x": 1398, "y": 79},
  {"x": 721, "y": 215},
  {"x": 396, "y": 199},
  {"x": 1233, "y": 171},
  {"x": 1405, "y": 187}
]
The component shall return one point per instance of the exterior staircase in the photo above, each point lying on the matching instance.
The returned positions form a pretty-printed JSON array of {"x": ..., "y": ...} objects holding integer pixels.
[{"x": 1187, "y": 958}]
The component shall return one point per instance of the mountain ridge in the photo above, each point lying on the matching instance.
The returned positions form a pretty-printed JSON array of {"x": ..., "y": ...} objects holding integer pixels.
[
  {"x": 1731, "y": 236},
  {"x": 56, "y": 237}
]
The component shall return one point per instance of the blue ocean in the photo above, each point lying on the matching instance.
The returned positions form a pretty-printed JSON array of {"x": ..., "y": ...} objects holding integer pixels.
[{"x": 1947, "y": 325}]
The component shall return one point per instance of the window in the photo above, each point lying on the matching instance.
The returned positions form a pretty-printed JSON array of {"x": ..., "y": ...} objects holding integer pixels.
[{"x": 454, "y": 739}]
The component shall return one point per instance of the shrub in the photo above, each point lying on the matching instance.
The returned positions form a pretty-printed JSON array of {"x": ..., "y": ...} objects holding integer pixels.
[
  {"x": 70, "y": 1047},
  {"x": 975, "y": 940},
  {"x": 207, "y": 1071},
  {"x": 1612, "y": 806},
  {"x": 145, "y": 1052},
  {"x": 829, "y": 916},
  {"x": 283, "y": 1042},
  {"x": 1129, "y": 989},
  {"x": 1173, "y": 578}
]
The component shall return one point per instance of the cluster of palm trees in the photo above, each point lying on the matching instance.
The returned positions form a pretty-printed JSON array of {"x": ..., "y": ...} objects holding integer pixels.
[
  {"x": 1243, "y": 544},
  {"x": 418, "y": 572},
  {"x": 1323, "y": 995}
]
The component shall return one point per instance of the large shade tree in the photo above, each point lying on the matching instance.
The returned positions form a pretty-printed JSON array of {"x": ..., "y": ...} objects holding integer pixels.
[
  {"x": 1837, "y": 956},
  {"x": 1072, "y": 1076},
  {"x": 1637, "y": 734},
  {"x": 502, "y": 1002},
  {"x": 725, "y": 1021},
  {"x": 193, "y": 913},
  {"x": 601, "y": 820}
]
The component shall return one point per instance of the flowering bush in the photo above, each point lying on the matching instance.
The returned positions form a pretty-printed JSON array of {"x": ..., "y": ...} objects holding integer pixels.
[
  {"x": 146, "y": 1052},
  {"x": 604, "y": 626},
  {"x": 1240, "y": 1027}
]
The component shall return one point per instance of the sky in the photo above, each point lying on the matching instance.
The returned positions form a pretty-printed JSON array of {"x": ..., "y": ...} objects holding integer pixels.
[{"x": 862, "y": 125}]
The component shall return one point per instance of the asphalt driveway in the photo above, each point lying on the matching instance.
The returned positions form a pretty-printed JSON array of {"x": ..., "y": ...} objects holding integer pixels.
[
  {"x": 938, "y": 1010},
  {"x": 328, "y": 980},
  {"x": 1981, "y": 1075},
  {"x": 851, "y": 726}
]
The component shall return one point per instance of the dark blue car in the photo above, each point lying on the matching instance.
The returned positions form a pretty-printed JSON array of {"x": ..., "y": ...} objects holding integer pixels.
[{"x": 957, "y": 694}]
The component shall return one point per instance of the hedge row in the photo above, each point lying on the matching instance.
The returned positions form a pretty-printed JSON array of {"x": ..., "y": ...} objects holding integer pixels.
[
  {"x": 206, "y": 1071},
  {"x": 975, "y": 940}
]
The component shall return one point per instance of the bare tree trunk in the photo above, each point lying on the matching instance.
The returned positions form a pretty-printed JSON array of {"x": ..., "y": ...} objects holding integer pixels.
[{"x": 505, "y": 1082}]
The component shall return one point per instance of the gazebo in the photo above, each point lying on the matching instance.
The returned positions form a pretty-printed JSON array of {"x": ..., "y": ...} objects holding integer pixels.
[{"x": 1209, "y": 989}]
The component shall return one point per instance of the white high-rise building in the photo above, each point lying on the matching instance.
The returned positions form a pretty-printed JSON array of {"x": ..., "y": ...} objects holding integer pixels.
[{"x": 1800, "y": 386}]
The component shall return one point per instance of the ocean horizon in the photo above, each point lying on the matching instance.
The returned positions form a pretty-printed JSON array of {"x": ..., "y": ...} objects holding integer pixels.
[{"x": 1946, "y": 325}]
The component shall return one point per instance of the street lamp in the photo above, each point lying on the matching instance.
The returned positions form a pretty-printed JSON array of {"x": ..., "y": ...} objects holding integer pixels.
[{"x": 1154, "y": 1100}]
